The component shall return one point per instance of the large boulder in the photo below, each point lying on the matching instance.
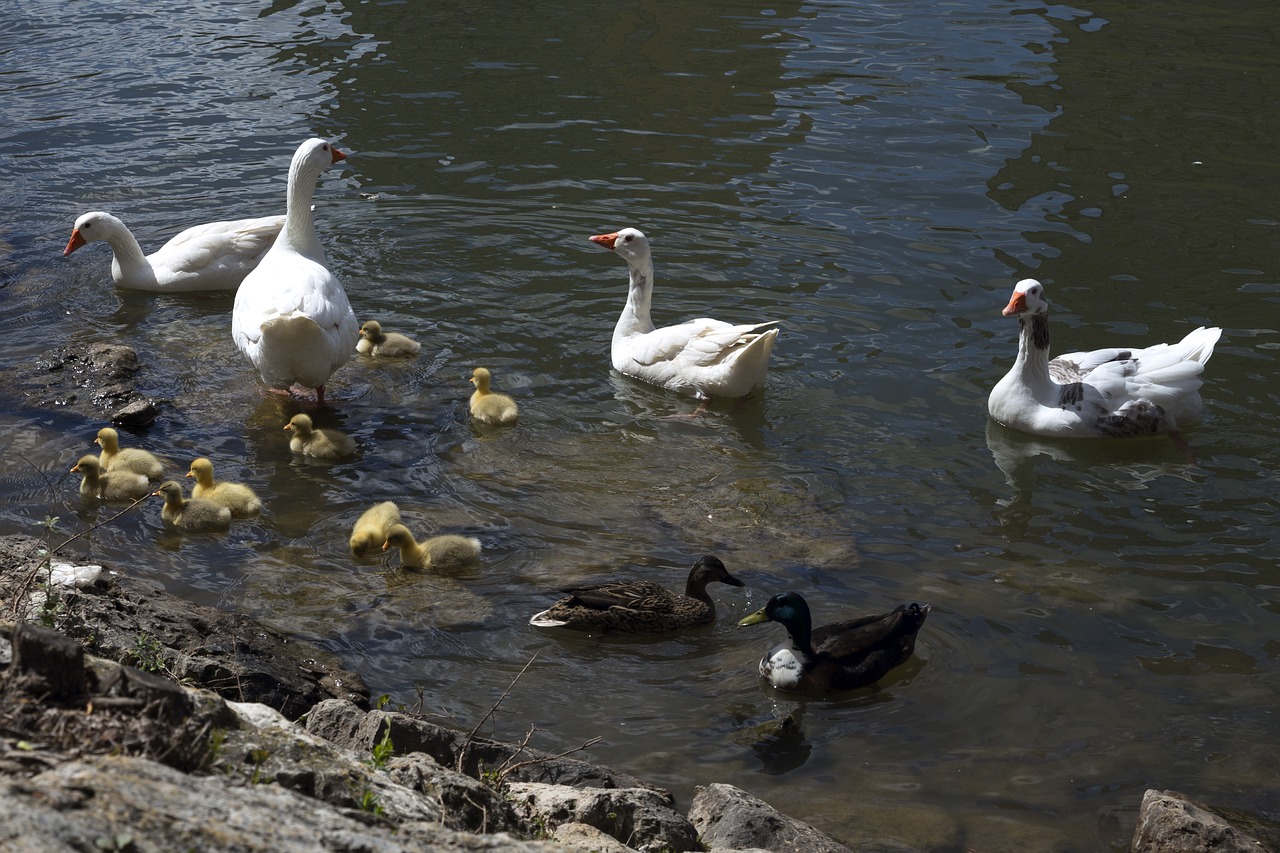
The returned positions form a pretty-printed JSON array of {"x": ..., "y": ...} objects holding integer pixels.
[
  {"x": 1169, "y": 822},
  {"x": 727, "y": 817}
]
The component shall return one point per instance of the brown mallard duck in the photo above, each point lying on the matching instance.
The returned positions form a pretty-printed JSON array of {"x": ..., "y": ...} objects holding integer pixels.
[
  {"x": 237, "y": 497},
  {"x": 836, "y": 657},
  {"x": 489, "y": 407},
  {"x": 638, "y": 606}
]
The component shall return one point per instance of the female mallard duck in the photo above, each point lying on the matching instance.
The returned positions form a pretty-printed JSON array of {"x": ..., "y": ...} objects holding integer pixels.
[
  {"x": 1105, "y": 393},
  {"x": 192, "y": 514},
  {"x": 705, "y": 358},
  {"x": 840, "y": 656},
  {"x": 118, "y": 485},
  {"x": 212, "y": 256},
  {"x": 133, "y": 459},
  {"x": 371, "y": 527},
  {"x": 236, "y": 497},
  {"x": 488, "y": 407},
  {"x": 291, "y": 316},
  {"x": 379, "y": 344},
  {"x": 439, "y": 552},
  {"x": 318, "y": 443},
  {"x": 639, "y": 607}
]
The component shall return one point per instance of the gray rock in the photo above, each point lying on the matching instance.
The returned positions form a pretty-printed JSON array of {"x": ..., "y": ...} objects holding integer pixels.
[
  {"x": 467, "y": 804},
  {"x": 638, "y": 817},
  {"x": 52, "y": 662},
  {"x": 92, "y": 379},
  {"x": 229, "y": 653},
  {"x": 582, "y": 836},
  {"x": 1169, "y": 822},
  {"x": 137, "y": 804},
  {"x": 726, "y": 816}
]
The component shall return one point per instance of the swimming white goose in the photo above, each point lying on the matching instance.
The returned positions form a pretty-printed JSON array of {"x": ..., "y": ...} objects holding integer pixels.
[
  {"x": 212, "y": 256},
  {"x": 1100, "y": 394},
  {"x": 705, "y": 358},
  {"x": 291, "y": 315}
]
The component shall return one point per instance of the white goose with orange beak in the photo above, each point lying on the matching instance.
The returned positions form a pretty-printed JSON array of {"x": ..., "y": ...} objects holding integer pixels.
[
  {"x": 1106, "y": 393},
  {"x": 704, "y": 358},
  {"x": 291, "y": 316}
]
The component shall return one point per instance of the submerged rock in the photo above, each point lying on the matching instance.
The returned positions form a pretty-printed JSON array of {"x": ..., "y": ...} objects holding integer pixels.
[{"x": 92, "y": 379}]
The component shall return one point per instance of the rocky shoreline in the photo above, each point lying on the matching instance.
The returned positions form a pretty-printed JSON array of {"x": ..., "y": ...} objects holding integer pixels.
[{"x": 135, "y": 721}]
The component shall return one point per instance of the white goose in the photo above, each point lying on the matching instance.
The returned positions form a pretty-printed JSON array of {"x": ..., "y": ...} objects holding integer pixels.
[
  {"x": 1106, "y": 393},
  {"x": 705, "y": 358},
  {"x": 291, "y": 315},
  {"x": 212, "y": 256}
]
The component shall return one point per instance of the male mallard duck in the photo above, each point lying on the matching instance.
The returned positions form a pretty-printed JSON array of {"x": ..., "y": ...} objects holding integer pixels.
[
  {"x": 379, "y": 344},
  {"x": 439, "y": 552},
  {"x": 371, "y": 527},
  {"x": 212, "y": 256},
  {"x": 840, "y": 656},
  {"x": 291, "y": 316},
  {"x": 192, "y": 514},
  {"x": 236, "y": 497},
  {"x": 705, "y": 358},
  {"x": 118, "y": 485},
  {"x": 1101, "y": 394},
  {"x": 129, "y": 459},
  {"x": 489, "y": 407},
  {"x": 639, "y": 607},
  {"x": 318, "y": 443}
]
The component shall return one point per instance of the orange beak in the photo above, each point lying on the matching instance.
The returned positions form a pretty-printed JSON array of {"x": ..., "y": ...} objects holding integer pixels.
[
  {"x": 606, "y": 240},
  {"x": 289, "y": 427},
  {"x": 338, "y": 156},
  {"x": 191, "y": 473},
  {"x": 74, "y": 243},
  {"x": 385, "y": 545},
  {"x": 1017, "y": 305}
]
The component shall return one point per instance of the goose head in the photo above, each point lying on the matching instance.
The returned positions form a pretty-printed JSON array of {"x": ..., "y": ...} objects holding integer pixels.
[
  {"x": 171, "y": 491},
  {"x": 316, "y": 155},
  {"x": 630, "y": 243},
  {"x": 398, "y": 536},
  {"x": 201, "y": 471},
  {"x": 90, "y": 227},
  {"x": 108, "y": 439},
  {"x": 480, "y": 378},
  {"x": 89, "y": 467},
  {"x": 299, "y": 425},
  {"x": 372, "y": 331},
  {"x": 1028, "y": 298}
]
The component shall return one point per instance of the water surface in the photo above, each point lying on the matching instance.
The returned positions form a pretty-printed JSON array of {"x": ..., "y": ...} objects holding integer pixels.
[{"x": 875, "y": 176}]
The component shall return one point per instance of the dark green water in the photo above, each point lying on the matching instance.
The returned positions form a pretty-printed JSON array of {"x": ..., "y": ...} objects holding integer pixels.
[{"x": 876, "y": 176}]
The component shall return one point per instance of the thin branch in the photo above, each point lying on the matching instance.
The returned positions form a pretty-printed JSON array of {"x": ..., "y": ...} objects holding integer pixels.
[{"x": 462, "y": 750}]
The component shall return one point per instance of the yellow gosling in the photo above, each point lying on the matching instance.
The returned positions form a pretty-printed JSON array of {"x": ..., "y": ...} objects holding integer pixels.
[
  {"x": 119, "y": 485},
  {"x": 191, "y": 514},
  {"x": 489, "y": 407},
  {"x": 113, "y": 458},
  {"x": 371, "y": 527},
  {"x": 318, "y": 443},
  {"x": 379, "y": 344},
  {"x": 237, "y": 497},
  {"x": 438, "y": 552}
]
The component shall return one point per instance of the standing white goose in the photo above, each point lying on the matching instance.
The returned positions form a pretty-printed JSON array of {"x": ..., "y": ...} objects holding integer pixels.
[
  {"x": 291, "y": 315},
  {"x": 705, "y": 358},
  {"x": 1106, "y": 393},
  {"x": 212, "y": 256}
]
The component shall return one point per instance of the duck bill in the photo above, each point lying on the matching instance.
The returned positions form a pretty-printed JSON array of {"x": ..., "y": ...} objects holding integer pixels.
[
  {"x": 754, "y": 619},
  {"x": 1017, "y": 305},
  {"x": 75, "y": 242},
  {"x": 732, "y": 581},
  {"x": 606, "y": 240}
]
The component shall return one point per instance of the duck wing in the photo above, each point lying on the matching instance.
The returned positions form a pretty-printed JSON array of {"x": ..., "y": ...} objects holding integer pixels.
[
  {"x": 641, "y": 596},
  {"x": 853, "y": 640}
]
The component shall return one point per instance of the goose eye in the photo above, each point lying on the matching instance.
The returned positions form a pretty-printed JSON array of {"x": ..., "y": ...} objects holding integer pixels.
[
  {"x": 626, "y": 239},
  {"x": 87, "y": 226}
]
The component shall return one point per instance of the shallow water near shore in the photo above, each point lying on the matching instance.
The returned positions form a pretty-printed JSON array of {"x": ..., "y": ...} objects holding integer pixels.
[{"x": 875, "y": 177}]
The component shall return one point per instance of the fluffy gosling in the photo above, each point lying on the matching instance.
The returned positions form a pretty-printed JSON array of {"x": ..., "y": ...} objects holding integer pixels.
[
  {"x": 237, "y": 497},
  {"x": 112, "y": 458},
  {"x": 318, "y": 443},
  {"x": 118, "y": 485},
  {"x": 487, "y": 406},
  {"x": 371, "y": 527},
  {"x": 191, "y": 514},
  {"x": 438, "y": 552},
  {"x": 379, "y": 344}
]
